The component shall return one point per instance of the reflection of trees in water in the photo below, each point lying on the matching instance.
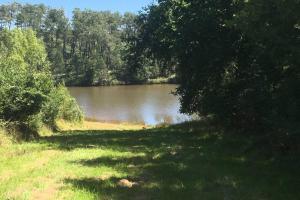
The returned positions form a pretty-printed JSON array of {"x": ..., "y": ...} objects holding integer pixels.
[{"x": 148, "y": 104}]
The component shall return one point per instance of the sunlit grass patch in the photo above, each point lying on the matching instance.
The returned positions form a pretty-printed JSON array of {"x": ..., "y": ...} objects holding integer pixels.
[{"x": 94, "y": 125}]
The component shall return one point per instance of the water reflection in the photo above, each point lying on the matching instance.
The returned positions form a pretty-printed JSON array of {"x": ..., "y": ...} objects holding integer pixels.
[{"x": 149, "y": 104}]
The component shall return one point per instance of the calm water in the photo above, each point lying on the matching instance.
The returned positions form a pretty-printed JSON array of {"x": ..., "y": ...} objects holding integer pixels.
[{"x": 149, "y": 104}]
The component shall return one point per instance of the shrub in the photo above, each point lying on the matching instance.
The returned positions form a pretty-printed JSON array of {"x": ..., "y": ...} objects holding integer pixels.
[
  {"x": 61, "y": 105},
  {"x": 28, "y": 97}
]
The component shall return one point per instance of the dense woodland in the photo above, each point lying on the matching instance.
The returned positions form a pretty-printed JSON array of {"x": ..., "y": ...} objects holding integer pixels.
[
  {"x": 92, "y": 48},
  {"x": 235, "y": 61}
]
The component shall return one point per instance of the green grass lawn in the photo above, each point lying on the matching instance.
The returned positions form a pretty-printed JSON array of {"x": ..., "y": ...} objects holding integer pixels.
[{"x": 190, "y": 161}]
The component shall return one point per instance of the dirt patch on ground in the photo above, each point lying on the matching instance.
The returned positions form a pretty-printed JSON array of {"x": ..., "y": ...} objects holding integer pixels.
[
  {"x": 126, "y": 183},
  {"x": 17, "y": 194},
  {"x": 6, "y": 176},
  {"x": 47, "y": 193}
]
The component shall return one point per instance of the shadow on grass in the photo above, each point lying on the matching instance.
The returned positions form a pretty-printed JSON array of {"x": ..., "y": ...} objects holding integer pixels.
[{"x": 191, "y": 161}]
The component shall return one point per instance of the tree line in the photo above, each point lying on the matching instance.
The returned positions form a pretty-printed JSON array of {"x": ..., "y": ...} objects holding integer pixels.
[{"x": 92, "y": 48}]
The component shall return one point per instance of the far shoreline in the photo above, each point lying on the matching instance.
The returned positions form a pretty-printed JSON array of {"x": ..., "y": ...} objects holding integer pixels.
[{"x": 157, "y": 81}]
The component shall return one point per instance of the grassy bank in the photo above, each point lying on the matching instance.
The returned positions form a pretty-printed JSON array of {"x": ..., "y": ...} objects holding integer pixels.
[
  {"x": 96, "y": 125},
  {"x": 193, "y": 161}
]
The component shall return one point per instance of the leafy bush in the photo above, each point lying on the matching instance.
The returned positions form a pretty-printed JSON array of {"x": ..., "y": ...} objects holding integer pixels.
[
  {"x": 26, "y": 85},
  {"x": 61, "y": 105},
  {"x": 24, "y": 77}
]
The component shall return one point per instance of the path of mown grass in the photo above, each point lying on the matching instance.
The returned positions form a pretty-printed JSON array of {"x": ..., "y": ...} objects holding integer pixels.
[{"x": 178, "y": 162}]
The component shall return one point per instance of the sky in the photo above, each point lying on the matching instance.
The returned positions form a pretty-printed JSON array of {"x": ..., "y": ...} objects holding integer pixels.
[{"x": 68, "y": 5}]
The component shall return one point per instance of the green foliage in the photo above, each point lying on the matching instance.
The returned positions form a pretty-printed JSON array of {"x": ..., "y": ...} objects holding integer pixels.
[
  {"x": 140, "y": 63},
  {"x": 26, "y": 84},
  {"x": 237, "y": 60},
  {"x": 25, "y": 80},
  {"x": 61, "y": 105},
  {"x": 92, "y": 48}
]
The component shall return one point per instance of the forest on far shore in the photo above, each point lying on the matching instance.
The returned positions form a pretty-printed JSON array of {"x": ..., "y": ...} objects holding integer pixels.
[{"x": 92, "y": 48}]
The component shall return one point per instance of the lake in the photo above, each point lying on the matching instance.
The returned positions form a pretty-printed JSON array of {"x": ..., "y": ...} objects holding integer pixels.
[{"x": 148, "y": 104}]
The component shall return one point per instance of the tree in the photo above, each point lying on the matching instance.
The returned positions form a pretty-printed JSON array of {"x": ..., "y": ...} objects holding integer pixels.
[
  {"x": 31, "y": 16},
  {"x": 55, "y": 32},
  {"x": 144, "y": 54},
  {"x": 25, "y": 78},
  {"x": 8, "y": 14},
  {"x": 238, "y": 61},
  {"x": 269, "y": 60},
  {"x": 94, "y": 48}
]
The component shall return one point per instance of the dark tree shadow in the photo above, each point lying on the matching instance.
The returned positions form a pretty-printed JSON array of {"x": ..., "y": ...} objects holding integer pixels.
[{"x": 193, "y": 161}]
